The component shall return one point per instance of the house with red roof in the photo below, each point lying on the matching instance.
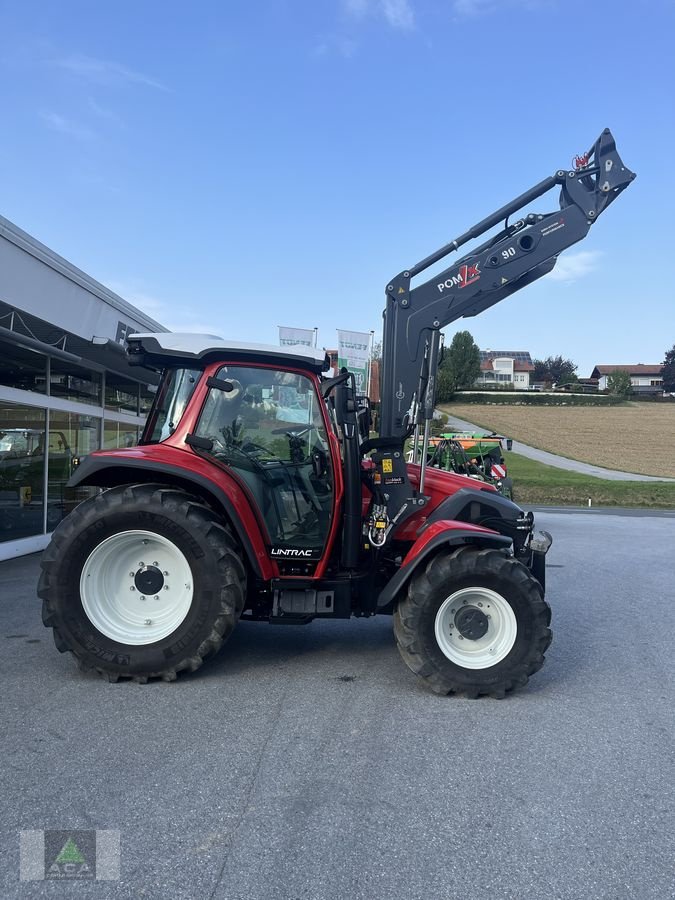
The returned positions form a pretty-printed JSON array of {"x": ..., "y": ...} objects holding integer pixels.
[
  {"x": 644, "y": 378},
  {"x": 505, "y": 367}
]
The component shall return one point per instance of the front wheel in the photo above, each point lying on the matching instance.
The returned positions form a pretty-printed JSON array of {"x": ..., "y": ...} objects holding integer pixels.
[
  {"x": 473, "y": 622},
  {"x": 142, "y": 581}
]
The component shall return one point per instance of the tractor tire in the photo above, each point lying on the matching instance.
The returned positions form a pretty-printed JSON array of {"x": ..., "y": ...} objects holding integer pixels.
[
  {"x": 142, "y": 581},
  {"x": 473, "y": 622}
]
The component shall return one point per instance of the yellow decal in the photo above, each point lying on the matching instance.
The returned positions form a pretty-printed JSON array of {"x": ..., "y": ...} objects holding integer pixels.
[
  {"x": 387, "y": 466},
  {"x": 401, "y": 290},
  {"x": 25, "y": 495}
]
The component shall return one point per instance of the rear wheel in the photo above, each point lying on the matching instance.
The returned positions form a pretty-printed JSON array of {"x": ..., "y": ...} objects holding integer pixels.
[
  {"x": 473, "y": 622},
  {"x": 141, "y": 582}
]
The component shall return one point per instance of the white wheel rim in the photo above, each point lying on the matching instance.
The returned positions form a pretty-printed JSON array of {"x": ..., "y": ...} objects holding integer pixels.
[
  {"x": 112, "y": 593},
  {"x": 489, "y": 649}
]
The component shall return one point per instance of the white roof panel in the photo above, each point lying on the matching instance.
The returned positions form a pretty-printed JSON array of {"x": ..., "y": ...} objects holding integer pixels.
[{"x": 199, "y": 346}]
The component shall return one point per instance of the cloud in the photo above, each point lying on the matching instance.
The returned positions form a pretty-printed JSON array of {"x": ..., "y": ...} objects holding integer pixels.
[
  {"x": 130, "y": 291},
  {"x": 397, "y": 13},
  {"x": 103, "y": 113},
  {"x": 67, "y": 126},
  {"x": 465, "y": 9},
  {"x": 344, "y": 47},
  {"x": 572, "y": 266},
  {"x": 161, "y": 311},
  {"x": 99, "y": 71}
]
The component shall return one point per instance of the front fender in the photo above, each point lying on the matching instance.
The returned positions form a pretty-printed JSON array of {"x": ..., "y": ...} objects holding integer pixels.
[
  {"x": 443, "y": 533},
  {"x": 168, "y": 465}
]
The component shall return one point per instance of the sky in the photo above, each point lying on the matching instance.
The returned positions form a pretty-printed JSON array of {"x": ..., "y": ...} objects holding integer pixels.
[{"x": 233, "y": 166}]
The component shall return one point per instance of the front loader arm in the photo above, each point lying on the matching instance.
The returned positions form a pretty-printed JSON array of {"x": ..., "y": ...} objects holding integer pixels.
[{"x": 516, "y": 256}]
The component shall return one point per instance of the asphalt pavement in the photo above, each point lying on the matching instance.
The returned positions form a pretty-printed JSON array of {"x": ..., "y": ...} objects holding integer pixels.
[
  {"x": 560, "y": 462},
  {"x": 308, "y": 762}
]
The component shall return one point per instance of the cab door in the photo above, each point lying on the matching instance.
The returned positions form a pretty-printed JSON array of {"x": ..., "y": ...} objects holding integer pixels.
[{"x": 266, "y": 425}]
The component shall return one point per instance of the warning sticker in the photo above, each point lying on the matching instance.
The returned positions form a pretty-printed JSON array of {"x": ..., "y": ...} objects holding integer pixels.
[{"x": 387, "y": 466}]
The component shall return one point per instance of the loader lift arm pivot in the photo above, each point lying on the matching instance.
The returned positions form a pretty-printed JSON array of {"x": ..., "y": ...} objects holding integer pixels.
[{"x": 516, "y": 256}]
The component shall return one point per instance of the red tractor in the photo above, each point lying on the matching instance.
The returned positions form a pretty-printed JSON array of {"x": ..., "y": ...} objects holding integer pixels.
[{"x": 257, "y": 493}]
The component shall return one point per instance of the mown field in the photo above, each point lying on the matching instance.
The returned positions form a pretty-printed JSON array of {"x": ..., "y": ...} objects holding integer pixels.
[{"x": 637, "y": 437}]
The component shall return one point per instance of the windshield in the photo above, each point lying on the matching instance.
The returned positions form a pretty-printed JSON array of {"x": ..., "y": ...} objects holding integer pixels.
[{"x": 173, "y": 395}]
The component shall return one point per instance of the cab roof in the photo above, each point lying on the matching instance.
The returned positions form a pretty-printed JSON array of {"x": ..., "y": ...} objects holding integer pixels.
[{"x": 163, "y": 349}]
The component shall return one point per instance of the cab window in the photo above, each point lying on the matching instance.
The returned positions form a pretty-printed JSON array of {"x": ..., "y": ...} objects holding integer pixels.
[{"x": 266, "y": 425}]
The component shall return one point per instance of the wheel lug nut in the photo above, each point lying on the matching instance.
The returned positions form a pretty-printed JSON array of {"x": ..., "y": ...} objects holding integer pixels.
[
  {"x": 480, "y": 604},
  {"x": 148, "y": 621},
  {"x": 166, "y": 587},
  {"x": 132, "y": 588},
  {"x": 165, "y": 573},
  {"x": 156, "y": 596},
  {"x": 142, "y": 597},
  {"x": 131, "y": 574},
  {"x": 141, "y": 564},
  {"x": 155, "y": 563}
]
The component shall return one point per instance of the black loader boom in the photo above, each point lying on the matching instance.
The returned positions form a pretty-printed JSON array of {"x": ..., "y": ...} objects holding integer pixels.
[{"x": 518, "y": 254}]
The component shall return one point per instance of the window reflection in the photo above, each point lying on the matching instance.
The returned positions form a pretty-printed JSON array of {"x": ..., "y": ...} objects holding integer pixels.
[
  {"x": 72, "y": 382},
  {"x": 118, "y": 434},
  {"x": 23, "y": 369},
  {"x": 22, "y": 461},
  {"x": 71, "y": 436},
  {"x": 121, "y": 394}
]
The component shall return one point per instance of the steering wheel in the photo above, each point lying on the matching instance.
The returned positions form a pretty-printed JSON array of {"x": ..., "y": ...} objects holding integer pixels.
[{"x": 291, "y": 432}]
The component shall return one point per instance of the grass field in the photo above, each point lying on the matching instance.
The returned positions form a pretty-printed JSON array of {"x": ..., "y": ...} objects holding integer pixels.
[
  {"x": 637, "y": 437},
  {"x": 534, "y": 484}
]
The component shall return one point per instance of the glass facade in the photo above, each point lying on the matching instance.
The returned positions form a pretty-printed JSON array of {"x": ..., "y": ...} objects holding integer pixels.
[
  {"x": 121, "y": 394},
  {"x": 73, "y": 382},
  {"x": 23, "y": 369},
  {"x": 69, "y": 410},
  {"x": 119, "y": 434},
  {"x": 22, "y": 470}
]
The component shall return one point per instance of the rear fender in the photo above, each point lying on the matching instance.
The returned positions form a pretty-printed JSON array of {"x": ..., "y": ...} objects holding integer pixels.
[
  {"x": 439, "y": 534},
  {"x": 226, "y": 497}
]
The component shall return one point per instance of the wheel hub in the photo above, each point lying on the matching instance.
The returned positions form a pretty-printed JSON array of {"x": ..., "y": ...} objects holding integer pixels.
[
  {"x": 471, "y": 623},
  {"x": 149, "y": 580},
  {"x": 475, "y": 627},
  {"x": 136, "y": 587}
]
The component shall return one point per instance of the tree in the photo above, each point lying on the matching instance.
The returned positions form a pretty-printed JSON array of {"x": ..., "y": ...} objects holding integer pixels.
[
  {"x": 461, "y": 361},
  {"x": 554, "y": 370},
  {"x": 669, "y": 371},
  {"x": 619, "y": 383},
  {"x": 445, "y": 385}
]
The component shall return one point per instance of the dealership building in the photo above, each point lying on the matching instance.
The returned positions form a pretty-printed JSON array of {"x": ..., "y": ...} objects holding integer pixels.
[{"x": 66, "y": 388}]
